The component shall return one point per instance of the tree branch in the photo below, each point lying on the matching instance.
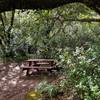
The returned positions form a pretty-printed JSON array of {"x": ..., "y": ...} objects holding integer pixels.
[
  {"x": 1, "y": 18},
  {"x": 60, "y": 18},
  {"x": 12, "y": 21},
  {"x": 84, "y": 20},
  {"x": 10, "y": 27},
  {"x": 8, "y": 5}
]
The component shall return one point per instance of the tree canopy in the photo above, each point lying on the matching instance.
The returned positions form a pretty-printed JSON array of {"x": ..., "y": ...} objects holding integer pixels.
[{"x": 7, "y": 5}]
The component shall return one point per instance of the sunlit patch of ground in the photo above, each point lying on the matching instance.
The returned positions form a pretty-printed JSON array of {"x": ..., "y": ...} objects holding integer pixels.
[{"x": 13, "y": 86}]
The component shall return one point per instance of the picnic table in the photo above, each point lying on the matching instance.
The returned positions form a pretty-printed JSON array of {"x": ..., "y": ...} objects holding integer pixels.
[{"x": 38, "y": 65}]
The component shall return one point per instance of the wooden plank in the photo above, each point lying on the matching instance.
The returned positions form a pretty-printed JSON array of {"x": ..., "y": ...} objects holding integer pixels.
[
  {"x": 43, "y": 63},
  {"x": 40, "y": 60},
  {"x": 40, "y": 67}
]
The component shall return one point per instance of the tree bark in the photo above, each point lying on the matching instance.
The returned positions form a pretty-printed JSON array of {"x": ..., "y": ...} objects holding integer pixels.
[{"x": 8, "y": 5}]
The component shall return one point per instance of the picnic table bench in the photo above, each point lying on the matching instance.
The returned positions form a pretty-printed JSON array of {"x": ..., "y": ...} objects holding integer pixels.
[{"x": 38, "y": 65}]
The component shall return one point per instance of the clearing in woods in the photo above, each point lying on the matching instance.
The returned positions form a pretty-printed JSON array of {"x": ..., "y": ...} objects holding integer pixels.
[{"x": 14, "y": 86}]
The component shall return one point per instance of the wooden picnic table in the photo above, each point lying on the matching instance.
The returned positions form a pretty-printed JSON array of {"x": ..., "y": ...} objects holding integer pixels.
[{"x": 39, "y": 65}]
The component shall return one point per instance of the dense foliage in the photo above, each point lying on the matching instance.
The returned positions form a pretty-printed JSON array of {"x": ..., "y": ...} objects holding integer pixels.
[{"x": 49, "y": 34}]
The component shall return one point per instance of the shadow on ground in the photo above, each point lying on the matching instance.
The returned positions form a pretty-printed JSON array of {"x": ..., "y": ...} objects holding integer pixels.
[{"x": 14, "y": 86}]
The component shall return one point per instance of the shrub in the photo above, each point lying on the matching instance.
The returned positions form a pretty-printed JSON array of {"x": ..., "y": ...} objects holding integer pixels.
[
  {"x": 83, "y": 68},
  {"x": 47, "y": 89}
]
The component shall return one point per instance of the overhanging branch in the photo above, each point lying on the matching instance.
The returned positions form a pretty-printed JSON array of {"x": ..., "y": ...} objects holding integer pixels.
[
  {"x": 60, "y": 18},
  {"x": 84, "y": 20},
  {"x": 8, "y": 5}
]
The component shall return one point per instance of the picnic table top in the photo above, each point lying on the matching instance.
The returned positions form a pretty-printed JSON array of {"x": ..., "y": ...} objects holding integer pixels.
[
  {"x": 40, "y": 60},
  {"x": 39, "y": 67}
]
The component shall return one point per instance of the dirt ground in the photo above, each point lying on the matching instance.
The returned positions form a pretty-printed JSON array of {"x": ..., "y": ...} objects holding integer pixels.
[{"x": 13, "y": 85}]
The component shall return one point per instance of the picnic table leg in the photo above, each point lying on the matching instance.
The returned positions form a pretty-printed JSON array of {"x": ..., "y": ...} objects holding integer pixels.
[
  {"x": 49, "y": 70},
  {"x": 27, "y": 73}
]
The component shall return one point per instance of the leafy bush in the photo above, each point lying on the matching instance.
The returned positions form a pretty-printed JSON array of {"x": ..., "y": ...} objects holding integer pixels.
[
  {"x": 47, "y": 89},
  {"x": 84, "y": 71}
]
